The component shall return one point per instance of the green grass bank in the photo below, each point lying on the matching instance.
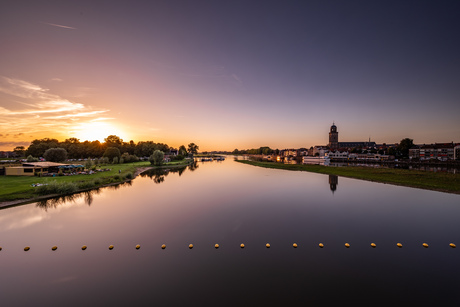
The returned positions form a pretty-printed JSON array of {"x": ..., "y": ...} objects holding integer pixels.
[
  {"x": 17, "y": 188},
  {"x": 437, "y": 181}
]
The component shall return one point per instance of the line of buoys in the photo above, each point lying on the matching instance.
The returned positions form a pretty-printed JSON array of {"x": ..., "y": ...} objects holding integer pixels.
[{"x": 267, "y": 245}]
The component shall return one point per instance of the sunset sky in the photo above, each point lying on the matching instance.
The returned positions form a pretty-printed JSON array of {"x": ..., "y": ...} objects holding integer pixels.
[{"x": 230, "y": 74}]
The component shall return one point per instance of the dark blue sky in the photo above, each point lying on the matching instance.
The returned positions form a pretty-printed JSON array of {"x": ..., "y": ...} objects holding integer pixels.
[{"x": 232, "y": 74}]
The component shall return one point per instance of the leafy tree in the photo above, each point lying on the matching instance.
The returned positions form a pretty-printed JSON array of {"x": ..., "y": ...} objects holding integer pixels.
[
  {"x": 115, "y": 160},
  {"x": 235, "y": 151},
  {"x": 88, "y": 164},
  {"x": 111, "y": 153},
  {"x": 182, "y": 150},
  {"x": 404, "y": 146},
  {"x": 113, "y": 141},
  {"x": 193, "y": 148},
  {"x": 38, "y": 147},
  {"x": 19, "y": 151},
  {"x": 157, "y": 157},
  {"x": 55, "y": 154}
]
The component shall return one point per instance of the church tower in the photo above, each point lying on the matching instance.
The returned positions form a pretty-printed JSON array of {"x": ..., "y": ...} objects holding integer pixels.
[{"x": 333, "y": 138}]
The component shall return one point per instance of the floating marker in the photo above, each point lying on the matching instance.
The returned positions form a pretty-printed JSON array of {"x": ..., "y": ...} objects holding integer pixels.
[
  {"x": 425, "y": 245},
  {"x": 138, "y": 246},
  {"x": 294, "y": 245},
  {"x": 26, "y": 248},
  {"x": 399, "y": 245},
  {"x": 190, "y": 246},
  {"x": 110, "y": 247},
  {"x": 163, "y": 246},
  {"x": 84, "y": 247},
  {"x": 451, "y": 245},
  {"x": 242, "y": 245},
  {"x": 373, "y": 245},
  {"x": 1, "y": 247},
  {"x": 216, "y": 246},
  {"x": 321, "y": 245},
  {"x": 54, "y": 248},
  {"x": 267, "y": 245},
  {"x": 347, "y": 245}
]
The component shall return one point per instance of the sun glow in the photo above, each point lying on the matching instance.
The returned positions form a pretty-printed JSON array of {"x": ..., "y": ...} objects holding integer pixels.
[{"x": 97, "y": 131}]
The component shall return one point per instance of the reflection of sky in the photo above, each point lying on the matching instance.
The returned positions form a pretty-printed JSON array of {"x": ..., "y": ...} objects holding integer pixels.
[
  {"x": 231, "y": 203},
  {"x": 235, "y": 75}
]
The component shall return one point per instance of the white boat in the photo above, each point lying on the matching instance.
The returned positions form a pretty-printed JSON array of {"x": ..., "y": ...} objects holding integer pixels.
[{"x": 325, "y": 160}]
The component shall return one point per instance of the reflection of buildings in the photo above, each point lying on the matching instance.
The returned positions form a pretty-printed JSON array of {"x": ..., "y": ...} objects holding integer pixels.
[{"x": 333, "y": 182}]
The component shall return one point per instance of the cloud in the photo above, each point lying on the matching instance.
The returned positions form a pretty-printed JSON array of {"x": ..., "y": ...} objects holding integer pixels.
[
  {"x": 59, "y": 26},
  {"x": 57, "y": 79},
  {"x": 39, "y": 111}
]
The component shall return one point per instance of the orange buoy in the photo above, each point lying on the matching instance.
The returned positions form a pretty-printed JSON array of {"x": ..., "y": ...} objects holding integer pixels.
[
  {"x": 190, "y": 246},
  {"x": 451, "y": 245},
  {"x": 54, "y": 248},
  {"x": 321, "y": 245},
  {"x": 399, "y": 245},
  {"x": 163, "y": 246},
  {"x": 425, "y": 245},
  {"x": 138, "y": 246},
  {"x": 26, "y": 248},
  {"x": 267, "y": 245},
  {"x": 84, "y": 247},
  {"x": 242, "y": 245},
  {"x": 373, "y": 245},
  {"x": 294, "y": 245},
  {"x": 216, "y": 246},
  {"x": 110, "y": 247},
  {"x": 347, "y": 245}
]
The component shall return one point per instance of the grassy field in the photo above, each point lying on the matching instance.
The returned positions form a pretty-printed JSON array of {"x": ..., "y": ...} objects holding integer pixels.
[
  {"x": 438, "y": 181},
  {"x": 20, "y": 187}
]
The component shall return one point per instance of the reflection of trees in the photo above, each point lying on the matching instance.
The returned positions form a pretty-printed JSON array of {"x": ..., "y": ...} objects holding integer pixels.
[
  {"x": 158, "y": 175},
  {"x": 193, "y": 166},
  {"x": 57, "y": 201}
]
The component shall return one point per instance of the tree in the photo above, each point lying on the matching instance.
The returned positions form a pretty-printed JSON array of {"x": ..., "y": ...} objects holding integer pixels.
[
  {"x": 55, "y": 155},
  {"x": 31, "y": 159},
  {"x": 88, "y": 164},
  {"x": 182, "y": 150},
  {"x": 38, "y": 147},
  {"x": 19, "y": 151},
  {"x": 111, "y": 153},
  {"x": 113, "y": 141},
  {"x": 157, "y": 157},
  {"x": 193, "y": 148},
  {"x": 404, "y": 147}
]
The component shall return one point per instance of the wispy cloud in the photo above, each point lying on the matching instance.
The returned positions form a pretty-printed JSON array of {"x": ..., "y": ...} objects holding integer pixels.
[
  {"x": 38, "y": 111},
  {"x": 59, "y": 26}
]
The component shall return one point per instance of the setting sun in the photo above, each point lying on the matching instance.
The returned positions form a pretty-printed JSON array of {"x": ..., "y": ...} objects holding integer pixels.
[{"x": 97, "y": 131}]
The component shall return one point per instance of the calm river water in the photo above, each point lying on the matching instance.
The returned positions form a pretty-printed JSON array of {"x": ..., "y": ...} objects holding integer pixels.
[{"x": 230, "y": 203}]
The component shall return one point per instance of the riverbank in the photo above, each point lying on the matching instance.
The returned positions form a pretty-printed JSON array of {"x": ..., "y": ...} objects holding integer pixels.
[
  {"x": 436, "y": 181},
  {"x": 19, "y": 190}
]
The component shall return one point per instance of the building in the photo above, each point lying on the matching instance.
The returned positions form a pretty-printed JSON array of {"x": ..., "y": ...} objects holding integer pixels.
[
  {"x": 439, "y": 151},
  {"x": 334, "y": 143},
  {"x": 457, "y": 152},
  {"x": 30, "y": 168}
]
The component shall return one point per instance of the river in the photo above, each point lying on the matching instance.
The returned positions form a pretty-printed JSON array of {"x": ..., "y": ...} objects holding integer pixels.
[{"x": 229, "y": 203}]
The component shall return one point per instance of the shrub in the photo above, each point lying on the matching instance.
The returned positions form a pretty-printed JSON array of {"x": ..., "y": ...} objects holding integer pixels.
[
  {"x": 111, "y": 153},
  {"x": 157, "y": 157},
  {"x": 55, "y": 154},
  {"x": 55, "y": 187},
  {"x": 129, "y": 176},
  {"x": 86, "y": 184},
  {"x": 115, "y": 160},
  {"x": 31, "y": 159}
]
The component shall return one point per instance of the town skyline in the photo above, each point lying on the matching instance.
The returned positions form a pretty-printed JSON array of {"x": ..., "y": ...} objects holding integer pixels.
[{"x": 226, "y": 76}]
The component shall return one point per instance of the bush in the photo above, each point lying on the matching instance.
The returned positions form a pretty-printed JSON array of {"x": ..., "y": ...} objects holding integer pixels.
[
  {"x": 115, "y": 160},
  {"x": 31, "y": 159},
  {"x": 55, "y": 187},
  {"x": 111, "y": 153},
  {"x": 129, "y": 176},
  {"x": 86, "y": 184},
  {"x": 117, "y": 177},
  {"x": 157, "y": 157},
  {"x": 88, "y": 163}
]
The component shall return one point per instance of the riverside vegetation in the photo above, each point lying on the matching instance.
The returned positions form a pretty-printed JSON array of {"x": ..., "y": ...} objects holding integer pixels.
[
  {"x": 437, "y": 181},
  {"x": 17, "y": 188}
]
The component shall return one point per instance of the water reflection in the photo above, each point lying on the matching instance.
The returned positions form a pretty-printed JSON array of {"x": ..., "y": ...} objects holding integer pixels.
[
  {"x": 333, "y": 182},
  {"x": 158, "y": 175}
]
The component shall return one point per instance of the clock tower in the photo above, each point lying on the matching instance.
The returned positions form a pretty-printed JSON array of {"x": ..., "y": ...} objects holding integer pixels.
[{"x": 333, "y": 138}]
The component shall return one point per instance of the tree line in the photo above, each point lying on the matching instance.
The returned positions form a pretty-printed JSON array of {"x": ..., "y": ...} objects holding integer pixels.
[{"x": 95, "y": 149}]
